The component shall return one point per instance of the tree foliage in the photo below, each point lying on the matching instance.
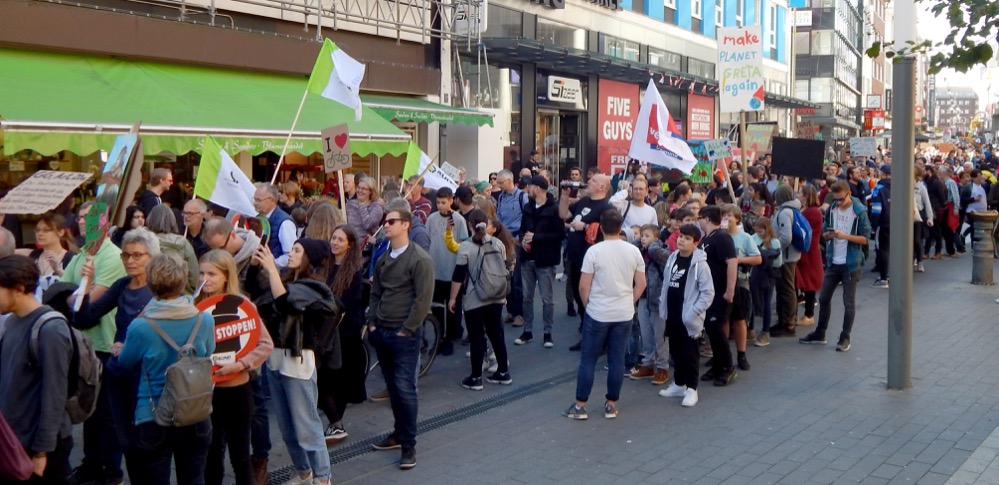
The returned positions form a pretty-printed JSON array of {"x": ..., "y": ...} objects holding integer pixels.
[{"x": 973, "y": 24}]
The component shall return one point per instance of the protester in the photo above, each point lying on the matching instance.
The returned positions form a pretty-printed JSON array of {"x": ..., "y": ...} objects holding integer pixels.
[
  {"x": 195, "y": 212},
  {"x": 290, "y": 196},
  {"x": 282, "y": 233},
  {"x": 787, "y": 298},
  {"x": 655, "y": 352},
  {"x": 808, "y": 271},
  {"x": 763, "y": 277},
  {"x": 134, "y": 217},
  {"x": 722, "y": 259},
  {"x": 541, "y": 234},
  {"x": 444, "y": 262},
  {"x": 55, "y": 247},
  {"x": 218, "y": 233},
  {"x": 418, "y": 232},
  {"x": 881, "y": 222},
  {"x": 419, "y": 206},
  {"x": 151, "y": 344},
  {"x": 939, "y": 196},
  {"x": 747, "y": 255},
  {"x": 365, "y": 212},
  {"x": 162, "y": 222},
  {"x": 633, "y": 206},
  {"x": 922, "y": 219},
  {"x": 160, "y": 180},
  {"x": 510, "y": 203}
]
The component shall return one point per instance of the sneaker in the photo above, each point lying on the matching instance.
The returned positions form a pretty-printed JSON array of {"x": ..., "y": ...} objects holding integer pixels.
[
  {"x": 750, "y": 335},
  {"x": 726, "y": 378},
  {"x": 813, "y": 339},
  {"x": 508, "y": 318},
  {"x": 709, "y": 375},
  {"x": 473, "y": 383},
  {"x": 82, "y": 475},
  {"x": 743, "y": 362},
  {"x": 572, "y": 312},
  {"x": 387, "y": 444},
  {"x": 879, "y": 283},
  {"x": 920, "y": 268},
  {"x": 524, "y": 339},
  {"x": 297, "y": 479},
  {"x": 260, "y": 473},
  {"x": 689, "y": 398},
  {"x": 576, "y": 412},
  {"x": 447, "y": 348},
  {"x": 706, "y": 352},
  {"x": 379, "y": 396},
  {"x": 843, "y": 345},
  {"x": 782, "y": 331},
  {"x": 408, "y": 458},
  {"x": 500, "y": 378},
  {"x": 674, "y": 391},
  {"x": 661, "y": 377},
  {"x": 576, "y": 347},
  {"x": 549, "y": 343},
  {"x": 518, "y": 321},
  {"x": 610, "y": 410},
  {"x": 709, "y": 363},
  {"x": 762, "y": 340},
  {"x": 640, "y": 372},
  {"x": 114, "y": 481},
  {"x": 806, "y": 321},
  {"x": 334, "y": 434},
  {"x": 490, "y": 366}
]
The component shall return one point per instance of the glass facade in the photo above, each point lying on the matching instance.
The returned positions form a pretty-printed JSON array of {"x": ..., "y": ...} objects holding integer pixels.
[
  {"x": 620, "y": 48},
  {"x": 560, "y": 34}
]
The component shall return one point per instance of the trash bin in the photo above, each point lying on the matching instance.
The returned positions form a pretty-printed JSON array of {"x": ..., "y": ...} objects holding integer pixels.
[{"x": 983, "y": 247}]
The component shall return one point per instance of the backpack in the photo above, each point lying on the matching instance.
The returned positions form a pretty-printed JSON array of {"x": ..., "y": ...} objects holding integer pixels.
[
  {"x": 492, "y": 282},
  {"x": 801, "y": 231},
  {"x": 188, "y": 388},
  {"x": 84, "y": 369}
]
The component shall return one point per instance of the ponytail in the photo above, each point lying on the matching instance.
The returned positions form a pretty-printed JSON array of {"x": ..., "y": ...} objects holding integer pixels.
[
  {"x": 477, "y": 222},
  {"x": 479, "y": 237}
]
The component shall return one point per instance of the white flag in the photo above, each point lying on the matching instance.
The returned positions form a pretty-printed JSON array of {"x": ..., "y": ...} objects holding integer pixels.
[
  {"x": 656, "y": 139},
  {"x": 221, "y": 181},
  {"x": 337, "y": 76},
  {"x": 433, "y": 177}
]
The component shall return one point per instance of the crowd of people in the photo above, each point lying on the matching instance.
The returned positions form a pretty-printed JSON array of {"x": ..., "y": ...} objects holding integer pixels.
[{"x": 659, "y": 275}]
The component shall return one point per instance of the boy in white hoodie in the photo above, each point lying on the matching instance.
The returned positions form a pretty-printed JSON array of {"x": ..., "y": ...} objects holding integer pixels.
[{"x": 686, "y": 295}]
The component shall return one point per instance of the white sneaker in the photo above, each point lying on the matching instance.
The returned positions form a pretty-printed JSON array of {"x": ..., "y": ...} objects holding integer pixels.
[
  {"x": 297, "y": 479},
  {"x": 674, "y": 391},
  {"x": 689, "y": 398}
]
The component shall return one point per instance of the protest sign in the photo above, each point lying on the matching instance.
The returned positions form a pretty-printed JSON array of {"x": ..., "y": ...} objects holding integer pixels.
[
  {"x": 336, "y": 148},
  {"x": 237, "y": 330},
  {"x": 794, "y": 157},
  {"x": 806, "y": 130},
  {"x": 718, "y": 149},
  {"x": 863, "y": 147},
  {"x": 41, "y": 192},
  {"x": 740, "y": 69},
  {"x": 702, "y": 171},
  {"x": 758, "y": 137},
  {"x": 114, "y": 168},
  {"x": 451, "y": 171}
]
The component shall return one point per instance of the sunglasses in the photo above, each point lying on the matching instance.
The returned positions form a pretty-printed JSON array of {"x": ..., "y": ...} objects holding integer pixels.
[{"x": 391, "y": 222}]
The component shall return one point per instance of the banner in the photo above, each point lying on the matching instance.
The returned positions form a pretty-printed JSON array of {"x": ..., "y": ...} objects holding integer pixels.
[
  {"x": 719, "y": 149},
  {"x": 794, "y": 157},
  {"x": 114, "y": 169},
  {"x": 806, "y": 130},
  {"x": 237, "y": 330},
  {"x": 700, "y": 117},
  {"x": 418, "y": 163},
  {"x": 41, "y": 192},
  {"x": 863, "y": 147},
  {"x": 616, "y": 118},
  {"x": 657, "y": 139},
  {"x": 336, "y": 148},
  {"x": 740, "y": 69},
  {"x": 337, "y": 77}
]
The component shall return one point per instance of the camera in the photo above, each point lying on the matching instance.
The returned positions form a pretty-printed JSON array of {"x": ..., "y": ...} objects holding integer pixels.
[{"x": 569, "y": 184}]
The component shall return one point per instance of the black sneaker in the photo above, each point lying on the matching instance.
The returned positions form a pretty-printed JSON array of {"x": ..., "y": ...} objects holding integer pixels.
[
  {"x": 709, "y": 363},
  {"x": 387, "y": 444},
  {"x": 572, "y": 312},
  {"x": 813, "y": 339},
  {"x": 743, "y": 362},
  {"x": 408, "y": 459},
  {"x": 82, "y": 475},
  {"x": 549, "y": 343},
  {"x": 726, "y": 378},
  {"x": 500, "y": 378},
  {"x": 843, "y": 345},
  {"x": 524, "y": 339},
  {"x": 576, "y": 347},
  {"x": 334, "y": 434},
  {"x": 710, "y": 375},
  {"x": 781, "y": 331},
  {"x": 447, "y": 348},
  {"x": 473, "y": 383}
]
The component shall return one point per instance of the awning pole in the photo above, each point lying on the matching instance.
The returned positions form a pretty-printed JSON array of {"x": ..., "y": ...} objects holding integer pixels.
[{"x": 287, "y": 141}]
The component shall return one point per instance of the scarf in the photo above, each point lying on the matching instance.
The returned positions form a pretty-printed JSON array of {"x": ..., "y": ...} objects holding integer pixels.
[{"x": 180, "y": 308}]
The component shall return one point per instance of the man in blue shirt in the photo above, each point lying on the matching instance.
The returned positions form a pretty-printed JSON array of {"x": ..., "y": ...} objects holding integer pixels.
[{"x": 510, "y": 209}]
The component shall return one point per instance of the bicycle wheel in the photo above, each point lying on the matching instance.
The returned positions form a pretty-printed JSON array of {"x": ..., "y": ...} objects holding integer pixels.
[{"x": 430, "y": 343}]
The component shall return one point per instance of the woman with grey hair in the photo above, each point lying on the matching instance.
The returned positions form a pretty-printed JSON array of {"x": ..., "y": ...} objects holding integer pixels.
[
  {"x": 163, "y": 223},
  {"x": 366, "y": 211}
]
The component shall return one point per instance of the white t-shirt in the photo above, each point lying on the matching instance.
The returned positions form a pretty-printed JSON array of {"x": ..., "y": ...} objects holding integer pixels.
[
  {"x": 613, "y": 265},
  {"x": 981, "y": 204},
  {"x": 843, "y": 222},
  {"x": 639, "y": 216}
]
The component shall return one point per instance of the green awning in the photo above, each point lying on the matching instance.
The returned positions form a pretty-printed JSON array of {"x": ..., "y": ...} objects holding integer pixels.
[
  {"x": 52, "y": 102},
  {"x": 401, "y": 108}
]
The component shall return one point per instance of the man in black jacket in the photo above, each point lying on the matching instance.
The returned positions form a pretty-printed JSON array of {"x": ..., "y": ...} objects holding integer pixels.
[
  {"x": 160, "y": 180},
  {"x": 541, "y": 234}
]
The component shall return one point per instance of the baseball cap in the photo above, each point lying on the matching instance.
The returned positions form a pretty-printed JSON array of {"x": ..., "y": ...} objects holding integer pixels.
[
  {"x": 464, "y": 193},
  {"x": 534, "y": 152},
  {"x": 538, "y": 180},
  {"x": 886, "y": 169}
]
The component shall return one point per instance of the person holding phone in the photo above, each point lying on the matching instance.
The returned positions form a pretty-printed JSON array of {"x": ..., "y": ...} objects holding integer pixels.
[{"x": 444, "y": 261}]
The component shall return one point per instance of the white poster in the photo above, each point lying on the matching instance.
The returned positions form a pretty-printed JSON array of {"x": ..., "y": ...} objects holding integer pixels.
[
  {"x": 863, "y": 147},
  {"x": 718, "y": 149},
  {"x": 740, "y": 69},
  {"x": 41, "y": 192},
  {"x": 336, "y": 148}
]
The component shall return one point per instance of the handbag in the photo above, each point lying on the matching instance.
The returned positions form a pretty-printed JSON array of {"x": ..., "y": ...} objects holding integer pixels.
[{"x": 14, "y": 461}]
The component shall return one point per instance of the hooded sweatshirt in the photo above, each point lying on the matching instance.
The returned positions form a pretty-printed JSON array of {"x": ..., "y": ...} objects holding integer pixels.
[
  {"x": 782, "y": 221},
  {"x": 245, "y": 254},
  {"x": 697, "y": 295}
]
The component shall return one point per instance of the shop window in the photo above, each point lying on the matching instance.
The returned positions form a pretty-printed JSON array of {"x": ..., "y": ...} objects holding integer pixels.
[
  {"x": 560, "y": 34},
  {"x": 701, "y": 68},
  {"x": 662, "y": 58},
  {"x": 504, "y": 22}
]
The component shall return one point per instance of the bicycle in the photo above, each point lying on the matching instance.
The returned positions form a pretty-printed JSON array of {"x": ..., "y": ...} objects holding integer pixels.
[{"x": 430, "y": 342}]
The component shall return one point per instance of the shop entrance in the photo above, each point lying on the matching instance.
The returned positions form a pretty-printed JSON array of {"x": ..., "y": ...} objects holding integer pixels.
[{"x": 558, "y": 140}]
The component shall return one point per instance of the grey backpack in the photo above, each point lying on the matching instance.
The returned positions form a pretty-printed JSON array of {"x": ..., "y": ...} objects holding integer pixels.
[
  {"x": 188, "y": 388},
  {"x": 493, "y": 279}
]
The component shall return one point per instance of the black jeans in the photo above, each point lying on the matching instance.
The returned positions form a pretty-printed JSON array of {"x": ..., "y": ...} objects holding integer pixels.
[
  {"x": 683, "y": 349},
  {"x": 936, "y": 235},
  {"x": 451, "y": 320},
  {"x": 575, "y": 272},
  {"x": 57, "y": 467},
  {"x": 917, "y": 239},
  {"x": 809, "y": 303},
  {"x": 482, "y": 322},
  {"x": 102, "y": 451},
  {"x": 714, "y": 326},
  {"x": 834, "y": 275},
  {"x": 515, "y": 299},
  {"x": 332, "y": 407},
  {"x": 881, "y": 255},
  {"x": 232, "y": 412},
  {"x": 787, "y": 296},
  {"x": 155, "y": 446}
]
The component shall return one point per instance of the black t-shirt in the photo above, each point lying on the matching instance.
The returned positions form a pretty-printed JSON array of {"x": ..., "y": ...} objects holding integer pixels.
[
  {"x": 674, "y": 290},
  {"x": 719, "y": 248},
  {"x": 587, "y": 211}
]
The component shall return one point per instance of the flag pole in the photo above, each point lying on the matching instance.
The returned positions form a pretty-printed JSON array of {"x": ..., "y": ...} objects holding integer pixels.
[
  {"x": 343, "y": 196},
  {"x": 424, "y": 172},
  {"x": 287, "y": 141}
]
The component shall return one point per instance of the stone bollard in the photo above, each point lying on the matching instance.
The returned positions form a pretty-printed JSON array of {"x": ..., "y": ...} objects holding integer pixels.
[{"x": 983, "y": 247}]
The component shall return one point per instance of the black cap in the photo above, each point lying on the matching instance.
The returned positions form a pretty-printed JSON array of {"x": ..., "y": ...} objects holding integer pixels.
[
  {"x": 534, "y": 152},
  {"x": 538, "y": 180},
  {"x": 524, "y": 181},
  {"x": 464, "y": 193}
]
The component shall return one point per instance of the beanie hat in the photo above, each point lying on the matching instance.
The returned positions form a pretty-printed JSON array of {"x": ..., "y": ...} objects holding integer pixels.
[{"x": 317, "y": 251}]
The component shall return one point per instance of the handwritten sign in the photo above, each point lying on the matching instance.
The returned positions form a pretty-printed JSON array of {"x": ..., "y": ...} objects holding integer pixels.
[
  {"x": 451, "y": 171},
  {"x": 95, "y": 227},
  {"x": 336, "y": 148},
  {"x": 718, "y": 149},
  {"x": 806, "y": 130},
  {"x": 758, "y": 137},
  {"x": 41, "y": 192},
  {"x": 740, "y": 69},
  {"x": 701, "y": 174},
  {"x": 237, "y": 329},
  {"x": 863, "y": 147}
]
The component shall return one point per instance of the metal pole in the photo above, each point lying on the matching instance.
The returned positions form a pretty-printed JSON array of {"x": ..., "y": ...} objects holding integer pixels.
[{"x": 900, "y": 259}]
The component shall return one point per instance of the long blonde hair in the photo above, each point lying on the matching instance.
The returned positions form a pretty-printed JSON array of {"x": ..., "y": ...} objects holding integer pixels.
[{"x": 224, "y": 262}]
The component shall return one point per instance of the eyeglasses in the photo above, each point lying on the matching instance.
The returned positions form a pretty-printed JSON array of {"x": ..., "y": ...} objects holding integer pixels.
[
  {"x": 391, "y": 222},
  {"x": 192, "y": 213},
  {"x": 125, "y": 257}
]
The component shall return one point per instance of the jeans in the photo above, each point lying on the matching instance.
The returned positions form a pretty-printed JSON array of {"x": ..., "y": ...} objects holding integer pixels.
[
  {"x": 399, "y": 359},
  {"x": 632, "y": 357},
  {"x": 102, "y": 450},
  {"x": 686, "y": 358},
  {"x": 481, "y": 322},
  {"x": 575, "y": 272},
  {"x": 260, "y": 426},
  {"x": 958, "y": 236},
  {"x": 515, "y": 299},
  {"x": 834, "y": 275},
  {"x": 233, "y": 410},
  {"x": 787, "y": 297},
  {"x": 155, "y": 446},
  {"x": 293, "y": 404},
  {"x": 544, "y": 279},
  {"x": 938, "y": 234},
  {"x": 57, "y": 468},
  {"x": 917, "y": 240},
  {"x": 882, "y": 248},
  {"x": 450, "y": 320},
  {"x": 809, "y": 303},
  {"x": 715, "y": 324},
  {"x": 653, "y": 328},
  {"x": 597, "y": 336},
  {"x": 762, "y": 296}
]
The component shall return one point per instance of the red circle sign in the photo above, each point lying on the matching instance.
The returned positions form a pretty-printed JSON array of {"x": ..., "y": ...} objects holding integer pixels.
[{"x": 237, "y": 329}]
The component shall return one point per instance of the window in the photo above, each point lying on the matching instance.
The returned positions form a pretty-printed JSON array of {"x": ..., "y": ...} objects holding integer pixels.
[
  {"x": 719, "y": 15},
  {"x": 701, "y": 68},
  {"x": 801, "y": 43},
  {"x": 772, "y": 19},
  {"x": 504, "y": 22},
  {"x": 620, "y": 48},
  {"x": 560, "y": 34},
  {"x": 738, "y": 13},
  {"x": 695, "y": 9},
  {"x": 671, "y": 4},
  {"x": 661, "y": 58}
]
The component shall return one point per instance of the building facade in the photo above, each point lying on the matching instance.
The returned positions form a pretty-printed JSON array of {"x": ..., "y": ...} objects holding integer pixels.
[{"x": 955, "y": 109}]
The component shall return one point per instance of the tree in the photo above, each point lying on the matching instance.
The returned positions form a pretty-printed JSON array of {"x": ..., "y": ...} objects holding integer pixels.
[{"x": 973, "y": 25}]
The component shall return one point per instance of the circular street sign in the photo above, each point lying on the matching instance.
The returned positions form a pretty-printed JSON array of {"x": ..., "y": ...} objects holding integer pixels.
[{"x": 237, "y": 329}]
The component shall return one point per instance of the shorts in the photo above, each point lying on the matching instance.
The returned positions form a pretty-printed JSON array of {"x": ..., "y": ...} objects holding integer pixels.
[{"x": 742, "y": 305}]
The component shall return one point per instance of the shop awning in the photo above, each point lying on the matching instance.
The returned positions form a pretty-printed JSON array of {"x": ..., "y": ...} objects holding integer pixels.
[
  {"x": 52, "y": 102},
  {"x": 401, "y": 108}
]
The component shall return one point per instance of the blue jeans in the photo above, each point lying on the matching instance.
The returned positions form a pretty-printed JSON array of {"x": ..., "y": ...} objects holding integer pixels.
[
  {"x": 543, "y": 278},
  {"x": 293, "y": 404},
  {"x": 155, "y": 447},
  {"x": 399, "y": 360},
  {"x": 260, "y": 426},
  {"x": 515, "y": 299},
  {"x": 596, "y": 336},
  {"x": 654, "y": 345}
]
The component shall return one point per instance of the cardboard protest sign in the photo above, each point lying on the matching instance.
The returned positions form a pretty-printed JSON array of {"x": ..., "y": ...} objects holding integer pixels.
[
  {"x": 237, "y": 329},
  {"x": 759, "y": 136},
  {"x": 95, "y": 227},
  {"x": 863, "y": 147},
  {"x": 806, "y": 130},
  {"x": 114, "y": 168},
  {"x": 451, "y": 171},
  {"x": 702, "y": 171},
  {"x": 41, "y": 192},
  {"x": 740, "y": 69},
  {"x": 798, "y": 158},
  {"x": 718, "y": 149},
  {"x": 336, "y": 148}
]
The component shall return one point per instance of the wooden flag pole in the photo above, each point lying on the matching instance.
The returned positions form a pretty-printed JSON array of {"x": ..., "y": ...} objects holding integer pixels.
[
  {"x": 424, "y": 172},
  {"x": 287, "y": 141},
  {"x": 343, "y": 196}
]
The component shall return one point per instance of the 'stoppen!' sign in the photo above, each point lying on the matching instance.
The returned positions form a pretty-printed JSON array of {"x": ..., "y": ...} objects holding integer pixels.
[
  {"x": 618, "y": 108},
  {"x": 740, "y": 69}
]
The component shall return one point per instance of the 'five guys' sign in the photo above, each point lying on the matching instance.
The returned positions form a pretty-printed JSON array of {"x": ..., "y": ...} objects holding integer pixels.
[{"x": 237, "y": 329}]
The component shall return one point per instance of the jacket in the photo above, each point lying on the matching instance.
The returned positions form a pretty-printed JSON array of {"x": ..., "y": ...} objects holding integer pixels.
[
  {"x": 302, "y": 318},
  {"x": 366, "y": 218},
  {"x": 549, "y": 231},
  {"x": 782, "y": 221},
  {"x": 881, "y": 204},
  {"x": 658, "y": 255},
  {"x": 861, "y": 227},
  {"x": 698, "y": 293},
  {"x": 923, "y": 207}
]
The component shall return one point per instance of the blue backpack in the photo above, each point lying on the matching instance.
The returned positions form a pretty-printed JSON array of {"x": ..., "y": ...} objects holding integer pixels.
[{"x": 801, "y": 231}]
